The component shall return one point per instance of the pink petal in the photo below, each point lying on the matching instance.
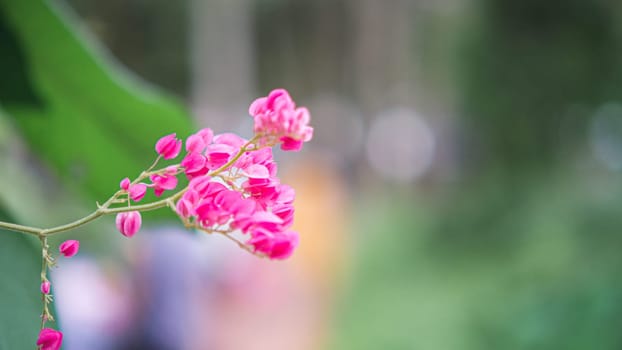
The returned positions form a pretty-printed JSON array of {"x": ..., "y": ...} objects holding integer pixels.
[
  {"x": 257, "y": 171},
  {"x": 207, "y": 134},
  {"x": 290, "y": 144},
  {"x": 137, "y": 191},
  {"x": 195, "y": 144},
  {"x": 230, "y": 139},
  {"x": 193, "y": 163}
]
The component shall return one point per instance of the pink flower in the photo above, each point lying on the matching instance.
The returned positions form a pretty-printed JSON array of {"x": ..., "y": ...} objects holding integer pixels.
[
  {"x": 229, "y": 139},
  {"x": 69, "y": 248},
  {"x": 200, "y": 184},
  {"x": 168, "y": 146},
  {"x": 277, "y": 119},
  {"x": 263, "y": 191},
  {"x": 207, "y": 134},
  {"x": 290, "y": 144},
  {"x": 285, "y": 212},
  {"x": 285, "y": 194},
  {"x": 279, "y": 245},
  {"x": 257, "y": 171},
  {"x": 49, "y": 339},
  {"x": 193, "y": 163},
  {"x": 137, "y": 191},
  {"x": 125, "y": 184},
  {"x": 195, "y": 143},
  {"x": 218, "y": 154},
  {"x": 184, "y": 208},
  {"x": 45, "y": 287},
  {"x": 128, "y": 223},
  {"x": 163, "y": 182}
]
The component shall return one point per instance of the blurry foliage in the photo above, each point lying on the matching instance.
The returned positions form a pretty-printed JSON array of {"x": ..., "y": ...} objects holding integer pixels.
[
  {"x": 90, "y": 124},
  {"x": 542, "y": 273},
  {"x": 524, "y": 253},
  {"x": 20, "y": 300},
  {"x": 293, "y": 49},
  {"x": 148, "y": 37},
  {"x": 526, "y": 64}
]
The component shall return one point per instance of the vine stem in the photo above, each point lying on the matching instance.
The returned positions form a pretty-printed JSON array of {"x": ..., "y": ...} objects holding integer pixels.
[{"x": 105, "y": 209}]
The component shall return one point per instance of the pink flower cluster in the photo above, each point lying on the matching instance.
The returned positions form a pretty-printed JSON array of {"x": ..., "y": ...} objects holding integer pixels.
[
  {"x": 233, "y": 188},
  {"x": 248, "y": 197},
  {"x": 278, "y": 119},
  {"x": 233, "y": 183}
]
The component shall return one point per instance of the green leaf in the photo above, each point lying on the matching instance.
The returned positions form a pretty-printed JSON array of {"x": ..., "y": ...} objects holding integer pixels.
[
  {"x": 20, "y": 300},
  {"x": 92, "y": 124}
]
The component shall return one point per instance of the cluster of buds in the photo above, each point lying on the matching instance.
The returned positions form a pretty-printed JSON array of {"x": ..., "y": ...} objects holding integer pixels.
[
  {"x": 233, "y": 188},
  {"x": 51, "y": 339}
]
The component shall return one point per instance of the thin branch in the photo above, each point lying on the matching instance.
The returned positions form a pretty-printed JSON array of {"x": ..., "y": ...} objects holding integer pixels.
[{"x": 105, "y": 210}]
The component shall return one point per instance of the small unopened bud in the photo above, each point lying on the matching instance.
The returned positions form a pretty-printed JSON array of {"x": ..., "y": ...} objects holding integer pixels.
[
  {"x": 168, "y": 146},
  {"x": 125, "y": 184},
  {"x": 45, "y": 287},
  {"x": 69, "y": 248},
  {"x": 128, "y": 223}
]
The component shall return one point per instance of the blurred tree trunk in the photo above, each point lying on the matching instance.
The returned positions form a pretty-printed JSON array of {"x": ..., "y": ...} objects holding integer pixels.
[
  {"x": 222, "y": 61},
  {"x": 383, "y": 55}
]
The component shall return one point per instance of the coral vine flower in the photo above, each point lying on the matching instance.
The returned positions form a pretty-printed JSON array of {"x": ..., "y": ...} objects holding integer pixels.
[
  {"x": 163, "y": 182},
  {"x": 193, "y": 163},
  {"x": 69, "y": 248},
  {"x": 128, "y": 223},
  {"x": 196, "y": 143},
  {"x": 276, "y": 246},
  {"x": 137, "y": 191},
  {"x": 168, "y": 146},
  {"x": 207, "y": 134},
  {"x": 50, "y": 339}
]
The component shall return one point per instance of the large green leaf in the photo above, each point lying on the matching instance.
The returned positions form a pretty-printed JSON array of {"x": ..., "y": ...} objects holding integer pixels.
[
  {"x": 92, "y": 124},
  {"x": 85, "y": 119},
  {"x": 19, "y": 297}
]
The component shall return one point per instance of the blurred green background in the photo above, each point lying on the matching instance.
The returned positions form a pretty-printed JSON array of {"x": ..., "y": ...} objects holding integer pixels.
[{"x": 477, "y": 147}]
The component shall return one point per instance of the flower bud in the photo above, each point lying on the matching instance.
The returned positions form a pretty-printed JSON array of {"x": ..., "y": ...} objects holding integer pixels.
[
  {"x": 128, "y": 223},
  {"x": 49, "y": 339},
  {"x": 168, "y": 146},
  {"x": 125, "y": 184},
  {"x": 45, "y": 287},
  {"x": 69, "y": 248}
]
